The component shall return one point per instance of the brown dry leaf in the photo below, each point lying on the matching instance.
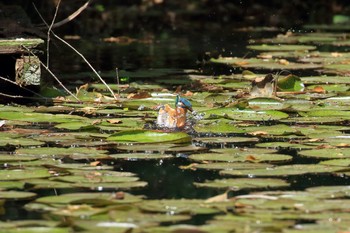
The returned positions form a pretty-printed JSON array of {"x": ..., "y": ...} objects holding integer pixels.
[
  {"x": 336, "y": 54},
  {"x": 191, "y": 166},
  {"x": 325, "y": 146},
  {"x": 139, "y": 95},
  {"x": 120, "y": 40},
  {"x": 241, "y": 63},
  {"x": 283, "y": 62},
  {"x": 343, "y": 145},
  {"x": 96, "y": 122},
  {"x": 250, "y": 158},
  {"x": 218, "y": 198},
  {"x": 318, "y": 89},
  {"x": 114, "y": 121},
  {"x": 95, "y": 163},
  {"x": 315, "y": 140},
  {"x": 82, "y": 87},
  {"x": 188, "y": 93},
  {"x": 119, "y": 195},
  {"x": 258, "y": 133}
]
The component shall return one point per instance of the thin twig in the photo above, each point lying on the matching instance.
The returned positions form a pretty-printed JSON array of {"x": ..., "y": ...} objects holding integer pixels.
[
  {"x": 117, "y": 71},
  {"x": 87, "y": 62},
  {"x": 81, "y": 55},
  {"x": 72, "y": 16},
  {"x": 48, "y": 35},
  {"x": 24, "y": 88},
  {"x": 53, "y": 75},
  {"x": 11, "y": 96}
]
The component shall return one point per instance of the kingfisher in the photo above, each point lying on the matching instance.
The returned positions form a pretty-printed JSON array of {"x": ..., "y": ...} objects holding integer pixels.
[{"x": 169, "y": 117}]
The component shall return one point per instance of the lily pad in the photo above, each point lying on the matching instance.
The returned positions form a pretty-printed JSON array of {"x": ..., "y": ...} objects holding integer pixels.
[
  {"x": 285, "y": 170},
  {"x": 333, "y": 153},
  {"x": 245, "y": 115},
  {"x": 140, "y": 156},
  {"x": 56, "y": 152},
  {"x": 22, "y": 174},
  {"x": 148, "y": 136},
  {"x": 16, "y": 195},
  {"x": 228, "y": 166},
  {"x": 181, "y": 206},
  {"x": 243, "y": 183},
  {"x": 283, "y": 47},
  {"x": 217, "y": 126},
  {"x": 243, "y": 157},
  {"x": 101, "y": 198}
]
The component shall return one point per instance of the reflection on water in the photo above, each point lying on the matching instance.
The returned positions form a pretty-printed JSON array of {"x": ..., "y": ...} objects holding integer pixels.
[{"x": 165, "y": 50}]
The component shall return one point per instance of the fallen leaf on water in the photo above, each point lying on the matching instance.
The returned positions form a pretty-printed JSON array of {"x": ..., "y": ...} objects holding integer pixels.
[
  {"x": 119, "y": 195},
  {"x": 325, "y": 146},
  {"x": 114, "y": 121},
  {"x": 318, "y": 89},
  {"x": 218, "y": 198},
  {"x": 95, "y": 163},
  {"x": 140, "y": 95},
  {"x": 258, "y": 133},
  {"x": 191, "y": 166},
  {"x": 250, "y": 158}
]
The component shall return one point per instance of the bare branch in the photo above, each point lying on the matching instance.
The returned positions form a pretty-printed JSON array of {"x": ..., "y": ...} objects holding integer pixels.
[
  {"x": 70, "y": 17},
  {"x": 48, "y": 35},
  {"x": 81, "y": 55},
  {"x": 11, "y": 96},
  {"x": 24, "y": 88}
]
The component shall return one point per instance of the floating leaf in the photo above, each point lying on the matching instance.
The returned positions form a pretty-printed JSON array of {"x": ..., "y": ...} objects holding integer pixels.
[
  {"x": 243, "y": 183},
  {"x": 147, "y": 136},
  {"x": 22, "y": 174},
  {"x": 285, "y": 170},
  {"x": 242, "y": 157},
  {"x": 16, "y": 195},
  {"x": 247, "y": 115},
  {"x": 265, "y": 47},
  {"x": 290, "y": 83},
  {"x": 333, "y": 153}
]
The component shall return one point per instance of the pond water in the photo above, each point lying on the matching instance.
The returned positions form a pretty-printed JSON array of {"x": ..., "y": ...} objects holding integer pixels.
[{"x": 254, "y": 161}]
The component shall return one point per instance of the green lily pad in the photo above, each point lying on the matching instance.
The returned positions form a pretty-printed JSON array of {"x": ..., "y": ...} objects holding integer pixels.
[
  {"x": 180, "y": 206},
  {"x": 243, "y": 157},
  {"x": 39, "y": 117},
  {"x": 140, "y": 156},
  {"x": 16, "y": 195},
  {"x": 101, "y": 198},
  {"x": 337, "y": 162},
  {"x": 285, "y": 170},
  {"x": 285, "y": 145},
  {"x": 217, "y": 126},
  {"x": 15, "y": 158},
  {"x": 325, "y": 79},
  {"x": 290, "y": 83},
  {"x": 334, "y": 153},
  {"x": 19, "y": 142},
  {"x": 73, "y": 152},
  {"x": 148, "y": 136},
  {"x": 39, "y": 229},
  {"x": 227, "y": 140},
  {"x": 246, "y": 115},
  {"x": 229, "y": 166},
  {"x": 22, "y": 174},
  {"x": 37, "y": 184},
  {"x": 6, "y": 185},
  {"x": 265, "y": 47},
  {"x": 270, "y": 64},
  {"x": 76, "y": 125},
  {"x": 243, "y": 183}
]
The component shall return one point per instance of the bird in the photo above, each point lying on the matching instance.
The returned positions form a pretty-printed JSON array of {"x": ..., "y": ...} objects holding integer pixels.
[{"x": 174, "y": 118}]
